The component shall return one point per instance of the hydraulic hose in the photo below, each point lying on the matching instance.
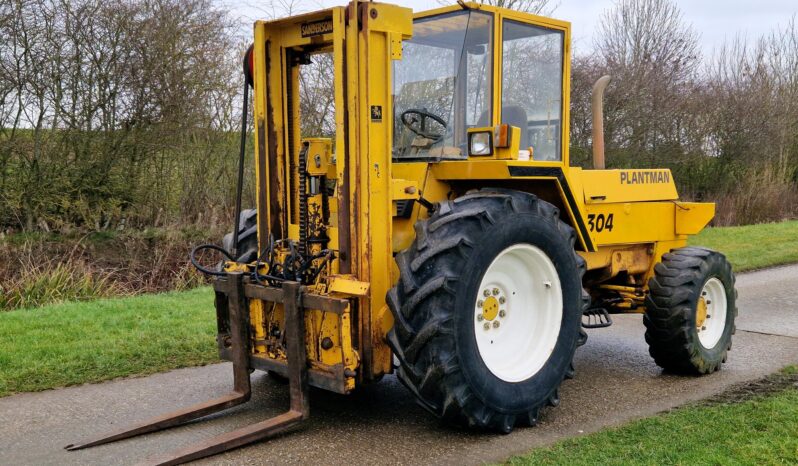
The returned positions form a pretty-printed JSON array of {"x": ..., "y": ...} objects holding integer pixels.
[
  {"x": 295, "y": 265},
  {"x": 241, "y": 156},
  {"x": 198, "y": 266},
  {"x": 234, "y": 254}
]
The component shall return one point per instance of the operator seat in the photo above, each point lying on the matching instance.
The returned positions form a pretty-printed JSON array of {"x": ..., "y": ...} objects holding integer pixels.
[{"x": 513, "y": 115}]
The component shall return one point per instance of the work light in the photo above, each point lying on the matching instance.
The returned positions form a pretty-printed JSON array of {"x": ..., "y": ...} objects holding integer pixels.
[{"x": 480, "y": 143}]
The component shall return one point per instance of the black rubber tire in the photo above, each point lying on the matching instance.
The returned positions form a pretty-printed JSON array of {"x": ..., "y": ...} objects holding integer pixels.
[
  {"x": 433, "y": 334},
  {"x": 247, "y": 237},
  {"x": 277, "y": 377},
  {"x": 671, "y": 305}
]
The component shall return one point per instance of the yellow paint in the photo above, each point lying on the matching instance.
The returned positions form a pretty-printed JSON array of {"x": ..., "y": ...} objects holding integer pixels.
[
  {"x": 692, "y": 217},
  {"x": 612, "y": 186},
  {"x": 318, "y": 158},
  {"x": 432, "y": 189},
  {"x": 404, "y": 189},
  {"x": 624, "y": 220},
  {"x": 634, "y": 259},
  {"x": 257, "y": 322},
  {"x": 701, "y": 312},
  {"x": 490, "y": 308},
  {"x": 348, "y": 286}
]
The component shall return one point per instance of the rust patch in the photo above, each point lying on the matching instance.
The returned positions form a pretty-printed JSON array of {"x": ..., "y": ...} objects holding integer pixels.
[
  {"x": 263, "y": 225},
  {"x": 344, "y": 232},
  {"x": 275, "y": 188}
]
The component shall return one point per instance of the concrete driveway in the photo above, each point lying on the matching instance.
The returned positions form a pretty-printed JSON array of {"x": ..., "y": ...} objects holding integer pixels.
[{"x": 616, "y": 381}]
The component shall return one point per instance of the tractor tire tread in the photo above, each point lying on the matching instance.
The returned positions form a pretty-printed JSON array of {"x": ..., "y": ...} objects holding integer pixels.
[
  {"x": 669, "y": 310},
  {"x": 422, "y": 338}
]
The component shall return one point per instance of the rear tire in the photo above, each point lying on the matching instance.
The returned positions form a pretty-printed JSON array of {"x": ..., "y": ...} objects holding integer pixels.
[
  {"x": 690, "y": 311},
  {"x": 447, "y": 278},
  {"x": 247, "y": 237}
]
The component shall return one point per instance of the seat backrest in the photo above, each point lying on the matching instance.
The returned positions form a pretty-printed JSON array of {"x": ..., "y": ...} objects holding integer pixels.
[{"x": 512, "y": 115}]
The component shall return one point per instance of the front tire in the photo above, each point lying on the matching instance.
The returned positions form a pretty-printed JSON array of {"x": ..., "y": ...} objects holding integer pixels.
[
  {"x": 488, "y": 309},
  {"x": 690, "y": 311}
]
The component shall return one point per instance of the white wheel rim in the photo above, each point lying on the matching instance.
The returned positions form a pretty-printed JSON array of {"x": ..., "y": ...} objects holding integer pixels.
[
  {"x": 518, "y": 340},
  {"x": 714, "y": 296}
]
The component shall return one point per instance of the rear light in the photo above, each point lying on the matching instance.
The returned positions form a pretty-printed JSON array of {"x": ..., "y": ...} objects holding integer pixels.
[{"x": 503, "y": 135}]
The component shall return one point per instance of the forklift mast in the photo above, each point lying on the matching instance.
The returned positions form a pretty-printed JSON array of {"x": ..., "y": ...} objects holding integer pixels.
[{"x": 364, "y": 39}]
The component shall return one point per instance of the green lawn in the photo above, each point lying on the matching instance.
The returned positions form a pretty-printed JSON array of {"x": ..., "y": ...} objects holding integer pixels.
[
  {"x": 753, "y": 246},
  {"x": 759, "y": 431},
  {"x": 74, "y": 343}
]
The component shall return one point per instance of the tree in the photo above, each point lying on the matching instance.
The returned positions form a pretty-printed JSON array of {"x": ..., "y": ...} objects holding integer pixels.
[
  {"x": 113, "y": 109},
  {"x": 652, "y": 54}
]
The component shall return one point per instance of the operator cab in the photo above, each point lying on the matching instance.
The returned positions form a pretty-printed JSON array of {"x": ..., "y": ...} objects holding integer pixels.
[{"x": 450, "y": 83}]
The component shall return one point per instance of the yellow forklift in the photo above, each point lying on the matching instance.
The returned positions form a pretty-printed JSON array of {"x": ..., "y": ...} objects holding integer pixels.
[{"x": 440, "y": 232}]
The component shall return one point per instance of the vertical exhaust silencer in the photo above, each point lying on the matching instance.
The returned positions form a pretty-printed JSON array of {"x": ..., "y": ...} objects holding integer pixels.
[{"x": 597, "y": 103}]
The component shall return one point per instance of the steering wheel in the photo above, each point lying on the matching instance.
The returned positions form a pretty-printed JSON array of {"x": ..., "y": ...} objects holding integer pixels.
[{"x": 416, "y": 121}]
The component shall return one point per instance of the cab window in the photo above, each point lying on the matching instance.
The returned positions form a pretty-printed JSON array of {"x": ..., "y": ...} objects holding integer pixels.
[
  {"x": 532, "y": 75},
  {"x": 442, "y": 86}
]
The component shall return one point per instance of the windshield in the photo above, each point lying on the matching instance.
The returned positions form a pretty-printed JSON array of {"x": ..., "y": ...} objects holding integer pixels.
[{"x": 442, "y": 85}]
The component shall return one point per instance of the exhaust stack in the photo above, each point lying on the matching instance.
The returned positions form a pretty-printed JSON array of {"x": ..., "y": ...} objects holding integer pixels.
[{"x": 597, "y": 102}]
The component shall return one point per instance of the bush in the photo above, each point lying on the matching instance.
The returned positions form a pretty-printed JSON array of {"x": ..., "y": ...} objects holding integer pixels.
[
  {"x": 760, "y": 196},
  {"x": 41, "y": 269},
  {"x": 40, "y": 284}
]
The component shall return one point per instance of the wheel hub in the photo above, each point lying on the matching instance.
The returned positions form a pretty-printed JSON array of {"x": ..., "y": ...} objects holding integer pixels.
[
  {"x": 701, "y": 312},
  {"x": 490, "y": 308}
]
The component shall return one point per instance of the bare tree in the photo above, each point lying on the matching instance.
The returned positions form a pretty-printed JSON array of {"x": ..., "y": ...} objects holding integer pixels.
[
  {"x": 113, "y": 109},
  {"x": 652, "y": 54}
]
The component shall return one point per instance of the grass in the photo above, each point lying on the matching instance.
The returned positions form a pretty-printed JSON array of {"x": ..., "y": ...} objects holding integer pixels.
[
  {"x": 78, "y": 342},
  {"x": 762, "y": 430},
  {"x": 75, "y": 343},
  {"x": 753, "y": 247}
]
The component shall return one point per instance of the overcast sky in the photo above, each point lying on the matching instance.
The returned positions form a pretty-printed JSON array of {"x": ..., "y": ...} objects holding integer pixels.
[{"x": 715, "y": 20}]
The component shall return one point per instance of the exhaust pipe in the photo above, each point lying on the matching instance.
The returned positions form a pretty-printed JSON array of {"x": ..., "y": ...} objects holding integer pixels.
[{"x": 597, "y": 103}]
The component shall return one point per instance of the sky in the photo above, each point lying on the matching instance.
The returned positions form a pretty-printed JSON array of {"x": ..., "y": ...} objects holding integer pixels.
[{"x": 715, "y": 20}]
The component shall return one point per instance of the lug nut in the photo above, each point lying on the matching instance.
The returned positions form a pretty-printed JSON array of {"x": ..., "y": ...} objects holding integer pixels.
[
  {"x": 502, "y": 313},
  {"x": 495, "y": 291},
  {"x": 486, "y": 326},
  {"x": 480, "y": 317},
  {"x": 486, "y": 293},
  {"x": 547, "y": 284},
  {"x": 480, "y": 303},
  {"x": 496, "y": 324},
  {"x": 709, "y": 302},
  {"x": 502, "y": 300},
  {"x": 703, "y": 328}
]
